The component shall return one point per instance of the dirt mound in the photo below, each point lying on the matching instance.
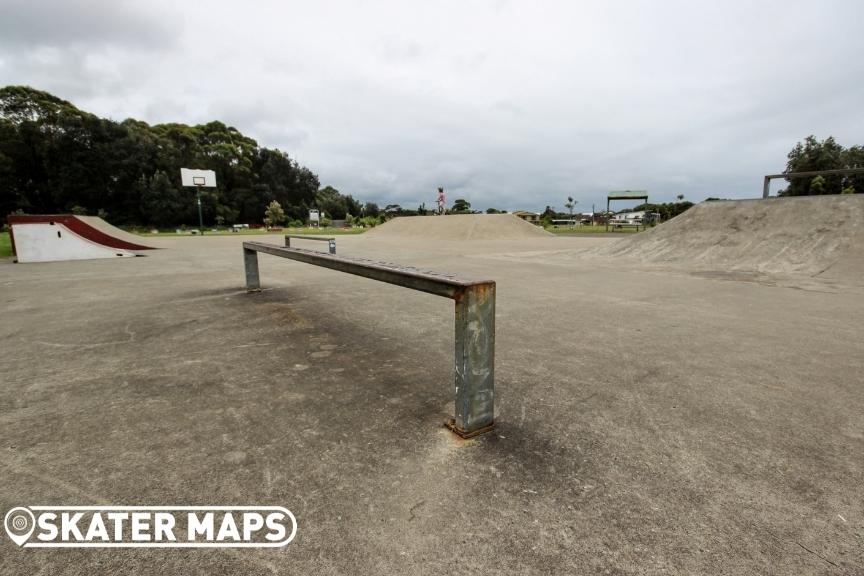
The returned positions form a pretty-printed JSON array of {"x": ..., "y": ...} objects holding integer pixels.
[
  {"x": 458, "y": 227},
  {"x": 811, "y": 235}
]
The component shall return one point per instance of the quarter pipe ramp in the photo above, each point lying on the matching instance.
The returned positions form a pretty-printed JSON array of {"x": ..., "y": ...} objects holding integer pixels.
[{"x": 54, "y": 237}]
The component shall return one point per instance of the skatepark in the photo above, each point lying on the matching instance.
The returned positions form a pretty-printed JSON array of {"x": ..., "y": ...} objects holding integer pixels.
[{"x": 685, "y": 400}]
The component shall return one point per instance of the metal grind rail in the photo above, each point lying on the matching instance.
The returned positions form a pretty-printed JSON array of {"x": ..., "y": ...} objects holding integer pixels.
[
  {"x": 474, "y": 322},
  {"x": 331, "y": 242}
]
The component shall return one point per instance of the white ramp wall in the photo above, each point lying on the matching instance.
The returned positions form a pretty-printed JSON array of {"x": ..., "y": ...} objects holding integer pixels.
[{"x": 43, "y": 242}]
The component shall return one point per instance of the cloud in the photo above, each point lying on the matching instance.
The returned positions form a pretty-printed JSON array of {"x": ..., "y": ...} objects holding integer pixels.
[
  {"x": 85, "y": 50},
  {"x": 509, "y": 104},
  {"x": 59, "y": 23}
]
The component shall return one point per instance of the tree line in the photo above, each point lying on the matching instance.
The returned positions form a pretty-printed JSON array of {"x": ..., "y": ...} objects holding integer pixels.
[
  {"x": 813, "y": 155},
  {"x": 56, "y": 158}
]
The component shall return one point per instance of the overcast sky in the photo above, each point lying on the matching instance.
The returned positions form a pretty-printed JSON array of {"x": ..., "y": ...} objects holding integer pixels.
[{"x": 512, "y": 104}]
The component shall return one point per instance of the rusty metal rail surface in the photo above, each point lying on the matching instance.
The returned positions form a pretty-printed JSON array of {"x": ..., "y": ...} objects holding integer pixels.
[
  {"x": 331, "y": 242},
  {"x": 475, "y": 322}
]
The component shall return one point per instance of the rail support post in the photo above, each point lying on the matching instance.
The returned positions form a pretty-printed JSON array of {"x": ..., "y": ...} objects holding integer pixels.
[
  {"x": 250, "y": 261},
  {"x": 475, "y": 361}
]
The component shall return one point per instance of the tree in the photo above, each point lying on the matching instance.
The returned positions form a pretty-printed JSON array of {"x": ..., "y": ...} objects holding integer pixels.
[
  {"x": 161, "y": 202},
  {"x": 274, "y": 215},
  {"x": 666, "y": 210},
  {"x": 817, "y": 185},
  {"x": 54, "y": 157},
  {"x": 680, "y": 197},
  {"x": 331, "y": 201},
  {"x": 814, "y": 155},
  {"x": 854, "y": 158},
  {"x": 371, "y": 209},
  {"x": 353, "y": 206},
  {"x": 461, "y": 206},
  {"x": 547, "y": 216},
  {"x": 570, "y": 205}
]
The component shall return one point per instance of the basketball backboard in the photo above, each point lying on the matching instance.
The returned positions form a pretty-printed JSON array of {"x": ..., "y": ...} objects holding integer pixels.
[{"x": 201, "y": 178}]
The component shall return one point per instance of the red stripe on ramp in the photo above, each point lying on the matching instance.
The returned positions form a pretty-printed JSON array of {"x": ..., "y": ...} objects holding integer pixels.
[{"x": 78, "y": 227}]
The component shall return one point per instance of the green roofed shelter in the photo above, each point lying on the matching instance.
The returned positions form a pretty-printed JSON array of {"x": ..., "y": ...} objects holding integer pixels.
[
  {"x": 624, "y": 195},
  {"x": 628, "y": 195}
]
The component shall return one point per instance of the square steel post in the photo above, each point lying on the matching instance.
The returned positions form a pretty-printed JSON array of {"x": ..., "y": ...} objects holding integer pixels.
[
  {"x": 475, "y": 360},
  {"x": 287, "y": 241},
  {"x": 250, "y": 261},
  {"x": 332, "y": 245}
]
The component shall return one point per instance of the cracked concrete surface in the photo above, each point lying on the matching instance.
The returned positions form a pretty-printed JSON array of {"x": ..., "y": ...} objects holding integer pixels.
[{"x": 649, "y": 419}]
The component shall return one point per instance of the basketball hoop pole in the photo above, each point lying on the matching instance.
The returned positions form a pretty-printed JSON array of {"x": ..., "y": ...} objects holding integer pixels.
[
  {"x": 199, "y": 179},
  {"x": 200, "y": 216}
]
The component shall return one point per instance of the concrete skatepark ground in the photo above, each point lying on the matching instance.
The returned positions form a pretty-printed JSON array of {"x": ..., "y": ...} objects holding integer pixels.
[{"x": 652, "y": 417}]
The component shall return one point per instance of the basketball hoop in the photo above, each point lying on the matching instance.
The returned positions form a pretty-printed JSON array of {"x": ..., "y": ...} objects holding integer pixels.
[{"x": 199, "y": 179}]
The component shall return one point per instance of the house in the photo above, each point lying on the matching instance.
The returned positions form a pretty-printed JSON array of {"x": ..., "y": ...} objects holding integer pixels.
[
  {"x": 532, "y": 217},
  {"x": 628, "y": 218},
  {"x": 637, "y": 218}
]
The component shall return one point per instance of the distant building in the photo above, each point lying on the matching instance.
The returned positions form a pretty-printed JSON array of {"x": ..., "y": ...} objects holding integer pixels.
[
  {"x": 631, "y": 218},
  {"x": 637, "y": 218},
  {"x": 532, "y": 217}
]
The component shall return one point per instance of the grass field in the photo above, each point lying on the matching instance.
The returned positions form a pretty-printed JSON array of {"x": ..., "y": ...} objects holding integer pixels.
[
  {"x": 259, "y": 232},
  {"x": 589, "y": 229},
  {"x": 5, "y": 245}
]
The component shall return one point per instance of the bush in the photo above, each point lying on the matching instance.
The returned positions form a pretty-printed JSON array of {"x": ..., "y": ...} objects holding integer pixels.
[{"x": 274, "y": 215}]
